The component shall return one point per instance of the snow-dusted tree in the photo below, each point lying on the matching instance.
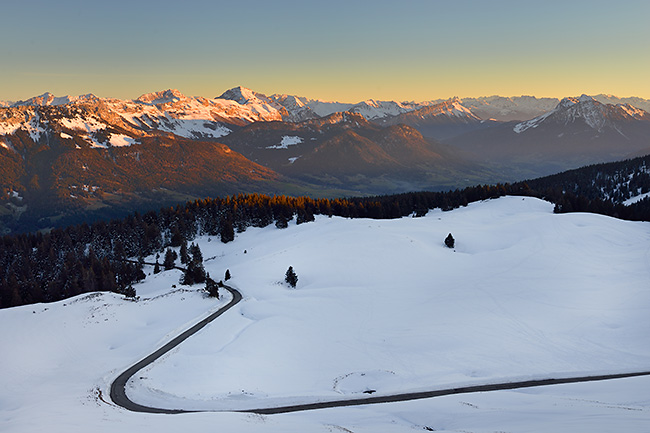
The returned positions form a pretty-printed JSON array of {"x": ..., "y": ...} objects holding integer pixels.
[
  {"x": 128, "y": 291},
  {"x": 450, "y": 241},
  {"x": 197, "y": 256},
  {"x": 290, "y": 277},
  {"x": 170, "y": 259},
  {"x": 185, "y": 258},
  {"x": 211, "y": 287}
]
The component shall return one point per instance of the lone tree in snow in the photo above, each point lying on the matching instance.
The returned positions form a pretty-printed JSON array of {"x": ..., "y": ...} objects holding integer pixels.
[
  {"x": 291, "y": 277},
  {"x": 450, "y": 241},
  {"x": 227, "y": 276}
]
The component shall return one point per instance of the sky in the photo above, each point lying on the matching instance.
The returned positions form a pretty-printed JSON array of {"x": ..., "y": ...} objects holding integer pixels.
[{"x": 333, "y": 50}]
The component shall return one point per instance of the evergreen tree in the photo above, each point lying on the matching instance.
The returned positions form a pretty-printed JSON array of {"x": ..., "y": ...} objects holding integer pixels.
[
  {"x": 282, "y": 222},
  {"x": 176, "y": 239},
  {"x": 195, "y": 272},
  {"x": 226, "y": 230},
  {"x": 185, "y": 258},
  {"x": 156, "y": 268},
  {"x": 170, "y": 259},
  {"x": 188, "y": 275},
  {"x": 211, "y": 287},
  {"x": 450, "y": 241},
  {"x": 195, "y": 251},
  {"x": 290, "y": 277},
  {"x": 128, "y": 291},
  {"x": 227, "y": 276}
]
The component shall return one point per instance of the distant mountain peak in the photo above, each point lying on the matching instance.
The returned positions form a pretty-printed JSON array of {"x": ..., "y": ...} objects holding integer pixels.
[
  {"x": 47, "y": 99},
  {"x": 595, "y": 114},
  {"x": 242, "y": 95},
  {"x": 586, "y": 98},
  {"x": 162, "y": 97}
]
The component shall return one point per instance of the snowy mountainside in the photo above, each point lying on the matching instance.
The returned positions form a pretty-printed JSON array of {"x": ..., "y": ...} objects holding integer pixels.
[
  {"x": 509, "y": 108},
  {"x": 634, "y": 101},
  {"x": 319, "y": 107},
  {"x": 296, "y": 108},
  {"x": 167, "y": 111},
  {"x": 620, "y": 182},
  {"x": 408, "y": 316},
  {"x": 588, "y": 110},
  {"x": 49, "y": 99},
  {"x": 371, "y": 109},
  {"x": 439, "y": 121},
  {"x": 577, "y": 132}
]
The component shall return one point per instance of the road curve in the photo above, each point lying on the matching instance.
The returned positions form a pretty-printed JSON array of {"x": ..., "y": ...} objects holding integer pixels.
[
  {"x": 119, "y": 397},
  {"x": 118, "y": 391}
]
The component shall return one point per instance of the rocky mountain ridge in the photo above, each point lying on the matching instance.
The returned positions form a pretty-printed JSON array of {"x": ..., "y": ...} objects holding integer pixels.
[{"x": 577, "y": 132}]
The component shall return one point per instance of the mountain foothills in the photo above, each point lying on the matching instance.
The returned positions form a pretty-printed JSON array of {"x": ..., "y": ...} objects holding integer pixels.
[{"x": 69, "y": 159}]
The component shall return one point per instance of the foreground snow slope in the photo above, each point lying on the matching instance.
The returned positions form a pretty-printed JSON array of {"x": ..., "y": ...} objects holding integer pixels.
[{"x": 380, "y": 305}]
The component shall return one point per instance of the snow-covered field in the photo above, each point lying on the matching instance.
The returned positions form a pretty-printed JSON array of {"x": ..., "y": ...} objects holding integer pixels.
[{"x": 379, "y": 305}]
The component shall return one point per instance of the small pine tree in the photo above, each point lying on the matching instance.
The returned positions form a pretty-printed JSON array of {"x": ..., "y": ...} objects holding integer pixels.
[
  {"x": 170, "y": 259},
  {"x": 197, "y": 256},
  {"x": 128, "y": 291},
  {"x": 227, "y": 276},
  {"x": 290, "y": 277},
  {"x": 188, "y": 276},
  {"x": 450, "y": 241},
  {"x": 211, "y": 287},
  {"x": 156, "y": 268}
]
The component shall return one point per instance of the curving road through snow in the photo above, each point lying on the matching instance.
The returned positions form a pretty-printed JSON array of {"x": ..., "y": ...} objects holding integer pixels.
[{"x": 119, "y": 397}]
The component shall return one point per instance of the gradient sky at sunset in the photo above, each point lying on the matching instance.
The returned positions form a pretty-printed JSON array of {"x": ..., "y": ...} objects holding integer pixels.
[{"x": 334, "y": 50}]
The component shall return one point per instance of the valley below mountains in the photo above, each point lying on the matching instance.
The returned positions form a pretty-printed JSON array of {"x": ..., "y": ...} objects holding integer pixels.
[{"x": 69, "y": 159}]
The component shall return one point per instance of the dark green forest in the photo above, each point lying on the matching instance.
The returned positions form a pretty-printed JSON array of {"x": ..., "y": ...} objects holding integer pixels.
[{"x": 109, "y": 255}]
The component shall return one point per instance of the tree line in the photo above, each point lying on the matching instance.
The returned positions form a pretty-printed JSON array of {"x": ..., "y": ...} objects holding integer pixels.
[{"x": 109, "y": 256}]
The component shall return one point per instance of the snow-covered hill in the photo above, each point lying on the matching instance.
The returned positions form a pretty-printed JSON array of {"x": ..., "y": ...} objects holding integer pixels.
[{"x": 381, "y": 305}]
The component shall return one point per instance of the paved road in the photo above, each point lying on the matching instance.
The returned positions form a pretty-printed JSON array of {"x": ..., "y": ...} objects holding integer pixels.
[
  {"x": 438, "y": 393},
  {"x": 118, "y": 392},
  {"x": 119, "y": 397}
]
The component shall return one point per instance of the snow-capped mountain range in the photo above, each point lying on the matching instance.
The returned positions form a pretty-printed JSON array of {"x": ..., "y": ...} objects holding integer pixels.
[
  {"x": 107, "y": 122},
  {"x": 577, "y": 132},
  {"x": 587, "y": 109},
  {"x": 85, "y": 152}
]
